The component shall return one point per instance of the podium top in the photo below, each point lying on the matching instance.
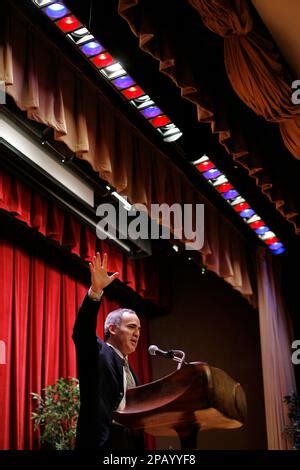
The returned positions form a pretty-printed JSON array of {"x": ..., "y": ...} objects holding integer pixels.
[{"x": 195, "y": 395}]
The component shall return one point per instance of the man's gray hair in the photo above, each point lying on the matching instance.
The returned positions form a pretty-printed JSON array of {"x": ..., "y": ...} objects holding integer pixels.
[{"x": 114, "y": 318}]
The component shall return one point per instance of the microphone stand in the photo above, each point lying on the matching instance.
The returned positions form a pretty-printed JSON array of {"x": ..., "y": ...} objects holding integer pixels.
[{"x": 178, "y": 356}]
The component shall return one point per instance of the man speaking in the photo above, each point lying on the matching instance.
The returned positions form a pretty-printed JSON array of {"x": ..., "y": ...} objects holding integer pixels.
[{"x": 104, "y": 372}]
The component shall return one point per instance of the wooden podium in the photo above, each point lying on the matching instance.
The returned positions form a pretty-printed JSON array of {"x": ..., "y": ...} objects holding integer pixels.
[{"x": 195, "y": 397}]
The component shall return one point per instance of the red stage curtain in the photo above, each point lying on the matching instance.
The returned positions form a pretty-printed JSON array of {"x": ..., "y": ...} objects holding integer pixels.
[
  {"x": 43, "y": 216},
  {"x": 39, "y": 304}
]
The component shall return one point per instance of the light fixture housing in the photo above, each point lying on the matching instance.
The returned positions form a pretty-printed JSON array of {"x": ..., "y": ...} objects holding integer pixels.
[
  {"x": 220, "y": 182},
  {"x": 108, "y": 67}
]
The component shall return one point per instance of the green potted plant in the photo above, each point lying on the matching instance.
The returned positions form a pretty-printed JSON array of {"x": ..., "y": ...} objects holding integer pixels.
[
  {"x": 56, "y": 413},
  {"x": 293, "y": 429}
]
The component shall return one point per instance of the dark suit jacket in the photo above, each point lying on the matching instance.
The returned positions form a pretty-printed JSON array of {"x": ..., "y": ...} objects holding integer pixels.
[{"x": 100, "y": 371}]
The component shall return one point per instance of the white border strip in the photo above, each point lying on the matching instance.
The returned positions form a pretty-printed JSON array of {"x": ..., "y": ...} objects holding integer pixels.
[{"x": 18, "y": 139}]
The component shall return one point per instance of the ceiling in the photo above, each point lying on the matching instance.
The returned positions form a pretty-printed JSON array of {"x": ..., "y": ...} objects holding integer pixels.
[
  {"x": 204, "y": 50},
  {"x": 282, "y": 20}
]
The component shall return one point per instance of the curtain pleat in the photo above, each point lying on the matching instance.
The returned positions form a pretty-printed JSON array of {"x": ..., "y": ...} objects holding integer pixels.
[
  {"x": 6, "y": 328},
  {"x": 34, "y": 364},
  {"x": 276, "y": 338}
]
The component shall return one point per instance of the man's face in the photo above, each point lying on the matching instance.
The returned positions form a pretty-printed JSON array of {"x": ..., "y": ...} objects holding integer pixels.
[{"x": 125, "y": 336}]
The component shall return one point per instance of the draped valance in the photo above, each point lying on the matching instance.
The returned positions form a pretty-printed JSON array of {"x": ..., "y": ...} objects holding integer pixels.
[{"x": 207, "y": 71}]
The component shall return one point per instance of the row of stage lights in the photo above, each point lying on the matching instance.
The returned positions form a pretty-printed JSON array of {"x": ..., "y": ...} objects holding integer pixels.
[
  {"x": 219, "y": 181},
  {"x": 113, "y": 71},
  {"x": 108, "y": 67}
]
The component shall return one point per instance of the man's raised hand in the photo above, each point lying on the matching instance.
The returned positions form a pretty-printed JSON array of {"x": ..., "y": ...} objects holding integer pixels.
[{"x": 99, "y": 277}]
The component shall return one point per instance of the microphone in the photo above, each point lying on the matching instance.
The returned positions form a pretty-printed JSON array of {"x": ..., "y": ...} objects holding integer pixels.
[{"x": 154, "y": 350}]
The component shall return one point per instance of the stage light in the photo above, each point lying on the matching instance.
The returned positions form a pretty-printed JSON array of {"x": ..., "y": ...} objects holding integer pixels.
[
  {"x": 160, "y": 121},
  {"x": 68, "y": 24},
  {"x": 108, "y": 67},
  {"x": 241, "y": 206},
  {"x": 123, "y": 82},
  {"x": 212, "y": 173},
  {"x": 231, "y": 194},
  {"x": 237, "y": 200},
  {"x": 42, "y": 3},
  {"x": 205, "y": 166},
  {"x": 92, "y": 48},
  {"x": 257, "y": 224},
  {"x": 255, "y": 218},
  {"x": 170, "y": 132},
  {"x": 80, "y": 36},
  {"x": 56, "y": 10},
  {"x": 133, "y": 92},
  {"x": 261, "y": 230},
  {"x": 276, "y": 246},
  {"x": 220, "y": 182},
  {"x": 102, "y": 60},
  {"x": 271, "y": 240},
  {"x": 142, "y": 102},
  {"x": 113, "y": 71},
  {"x": 267, "y": 235},
  {"x": 224, "y": 187},
  {"x": 151, "y": 112},
  {"x": 247, "y": 213},
  {"x": 279, "y": 251}
]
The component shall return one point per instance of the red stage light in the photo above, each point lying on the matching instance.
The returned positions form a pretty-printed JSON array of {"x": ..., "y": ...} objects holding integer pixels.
[
  {"x": 257, "y": 224},
  {"x": 102, "y": 60},
  {"x": 133, "y": 92},
  {"x": 223, "y": 188},
  {"x": 68, "y": 24},
  {"x": 241, "y": 207},
  {"x": 160, "y": 121},
  {"x": 204, "y": 166},
  {"x": 270, "y": 241}
]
